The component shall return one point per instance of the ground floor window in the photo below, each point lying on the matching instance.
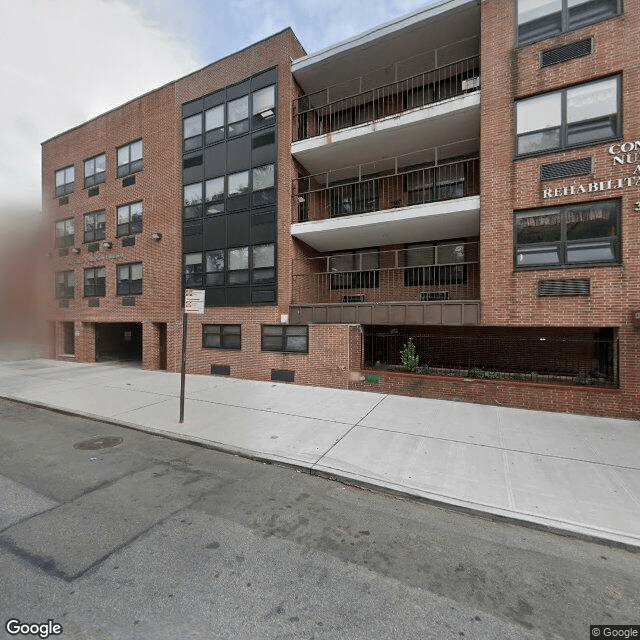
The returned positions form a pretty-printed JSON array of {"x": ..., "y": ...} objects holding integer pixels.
[
  {"x": 286, "y": 338},
  {"x": 221, "y": 336}
]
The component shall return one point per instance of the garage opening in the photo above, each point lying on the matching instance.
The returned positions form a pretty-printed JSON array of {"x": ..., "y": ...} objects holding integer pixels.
[{"x": 119, "y": 341}]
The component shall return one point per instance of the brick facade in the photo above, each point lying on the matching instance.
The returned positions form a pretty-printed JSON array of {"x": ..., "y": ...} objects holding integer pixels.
[{"x": 509, "y": 299}]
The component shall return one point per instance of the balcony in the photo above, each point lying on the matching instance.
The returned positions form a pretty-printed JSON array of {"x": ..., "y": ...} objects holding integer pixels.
[
  {"x": 397, "y": 200},
  {"x": 315, "y": 114},
  {"x": 424, "y": 284}
]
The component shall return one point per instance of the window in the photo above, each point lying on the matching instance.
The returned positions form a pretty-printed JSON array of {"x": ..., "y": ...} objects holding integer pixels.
[
  {"x": 129, "y": 158},
  {"x": 435, "y": 264},
  {"x": 214, "y": 124},
  {"x": 264, "y": 107},
  {"x": 214, "y": 267},
  {"x": 238, "y": 116},
  {"x": 287, "y": 338},
  {"x": 65, "y": 232},
  {"x": 434, "y": 184},
  {"x": 94, "y": 281},
  {"x": 221, "y": 336},
  {"x": 129, "y": 219},
  {"x": 348, "y": 199},
  {"x": 568, "y": 236},
  {"x": 572, "y": 117},
  {"x": 214, "y": 195},
  {"x": 192, "y": 200},
  {"x": 192, "y": 132},
  {"x": 95, "y": 170},
  {"x": 263, "y": 181},
  {"x": 540, "y": 19},
  {"x": 354, "y": 270},
  {"x": 94, "y": 226},
  {"x": 65, "y": 181},
  {"x": 238, "y": 183},
  {"x": 193, "y": 270},
  {"x": 129, "y": 280},
  {"x": 65, "y": 285},
  {"x": 242, "y": 266}
]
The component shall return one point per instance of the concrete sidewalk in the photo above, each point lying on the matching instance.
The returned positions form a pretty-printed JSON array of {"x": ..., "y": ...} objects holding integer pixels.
[{"x": 569, "y": 473}]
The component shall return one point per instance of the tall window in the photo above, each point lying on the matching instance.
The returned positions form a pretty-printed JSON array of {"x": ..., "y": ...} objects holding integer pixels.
[
  {"x": 94, "y": 226},
  {"x": 540, "y": 19},
  {"x": 263, "y": 184},
  {"x": 65, "y": 285},
  {"x": 192, "y": 132},
  {"x": 192, "y": 200},
  {"x": 65, "y": 232},
  {"x": 129, "y": 219},
  {"x": 94, "y": 281},
  {"x": 214, "y": 124},
  {"x": 65, "y": 181},
  {"x": 354, "y": 270},
  {"x": 221, "y": 336},
  {"x": 129, "y": 158},
  {"x": 285, "y": 337},
  {"x": 573, "y": 235},
  {"x": 238, "y": 116},
  {"x": 572, "y": 117},
  {"x": 264, "y": 106},
  {"x": 95, "y": 170},
  {"x": 129, "y": 280}
]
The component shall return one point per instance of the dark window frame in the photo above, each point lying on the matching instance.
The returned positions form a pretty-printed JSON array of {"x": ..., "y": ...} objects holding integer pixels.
[
  {"x": 437, "y": 273},
  {"x": 131, "y": 289},
  {"x": 129, "y": 228},
  {"x": 357, "y": 277},
  {"x": 65, "y": 290},
  {"x": 561, "y": 22},
  {"x": 564, "y": 126},
  {"x": 131, "y": 166},
  {"x": 226, "y": 334},
  {"x": 562, "y": 245},
  {"x": 66, "y": 187},
  {"x": 98, "y": 288},
  {"x": 286, "y": 332},
  {"x": 95, "y": 177},
  {"x": 97, "y": 233}
]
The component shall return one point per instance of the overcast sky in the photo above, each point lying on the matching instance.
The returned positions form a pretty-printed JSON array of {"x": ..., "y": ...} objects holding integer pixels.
[{"x": 65, "y": 61}]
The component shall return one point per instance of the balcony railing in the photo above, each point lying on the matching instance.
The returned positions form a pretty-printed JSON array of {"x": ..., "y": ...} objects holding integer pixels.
[
  {"x": 423, "y": 272},
  {"x": 315, "y": 115},
  {"x": 317, "y": 199}
]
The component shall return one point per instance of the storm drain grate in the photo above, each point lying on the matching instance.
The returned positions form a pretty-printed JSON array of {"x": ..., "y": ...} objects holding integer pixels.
[{"x": 98, "y": 442}]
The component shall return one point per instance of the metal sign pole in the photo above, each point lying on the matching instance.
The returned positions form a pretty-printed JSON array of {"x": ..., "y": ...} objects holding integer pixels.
[{"x": 184, "y": 364}]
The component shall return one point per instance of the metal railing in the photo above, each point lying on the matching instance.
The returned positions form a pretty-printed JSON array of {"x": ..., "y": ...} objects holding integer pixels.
[
  {"x": 424, "y": 272},
  {"x": 315, "y": 199},
  {"x": 314, "y": 114},
  {"x": 583, "y": 361}
]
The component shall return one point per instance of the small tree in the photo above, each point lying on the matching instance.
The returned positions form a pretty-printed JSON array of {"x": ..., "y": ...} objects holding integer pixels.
[{"x": 409, "y": 356}]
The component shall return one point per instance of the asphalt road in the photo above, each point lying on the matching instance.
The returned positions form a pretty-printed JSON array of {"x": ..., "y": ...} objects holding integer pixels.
[{"x": 154, "y": 539}]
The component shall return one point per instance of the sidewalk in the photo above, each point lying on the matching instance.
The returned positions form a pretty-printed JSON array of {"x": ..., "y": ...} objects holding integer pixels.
[{"x": 568, "y": 473}]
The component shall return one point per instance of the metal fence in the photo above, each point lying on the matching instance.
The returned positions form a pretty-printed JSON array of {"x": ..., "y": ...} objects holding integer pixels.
[
  {"x": 315, "y": 115},
  {"x": 447, "y": 270},
  {"x": 573, "y": 360},
  {"x": 314, "y": 199}
]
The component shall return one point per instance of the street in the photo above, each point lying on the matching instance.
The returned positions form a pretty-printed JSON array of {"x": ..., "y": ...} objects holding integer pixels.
[{"x": 116, "y": 534}]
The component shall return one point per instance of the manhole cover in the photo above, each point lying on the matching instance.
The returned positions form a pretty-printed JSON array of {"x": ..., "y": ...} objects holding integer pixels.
[{"x": 99, "y": 442}]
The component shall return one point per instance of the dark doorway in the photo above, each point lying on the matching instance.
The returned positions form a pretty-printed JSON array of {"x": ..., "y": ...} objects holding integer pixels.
[
  {"x": 162, "y": 346},
  {"x": 119, "y": 341},
  {"x": 69, "y": 337}
]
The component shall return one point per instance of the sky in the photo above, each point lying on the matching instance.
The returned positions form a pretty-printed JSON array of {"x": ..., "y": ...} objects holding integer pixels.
[{"x": 63, "y": 62}]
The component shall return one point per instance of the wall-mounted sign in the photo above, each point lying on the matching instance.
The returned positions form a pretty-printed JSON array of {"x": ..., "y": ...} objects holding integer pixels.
[{"x": 622, "y": 154}]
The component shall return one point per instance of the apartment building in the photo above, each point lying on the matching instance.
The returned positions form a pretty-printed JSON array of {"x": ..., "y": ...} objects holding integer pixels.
[{"x": 463, "y": 180}]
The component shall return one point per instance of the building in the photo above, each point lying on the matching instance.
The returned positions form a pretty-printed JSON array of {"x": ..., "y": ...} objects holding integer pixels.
[{"x": 464, "y": 179}]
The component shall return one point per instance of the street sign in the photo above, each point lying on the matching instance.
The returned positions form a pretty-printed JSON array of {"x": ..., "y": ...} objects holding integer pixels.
[{"x": 194, "y": 300}]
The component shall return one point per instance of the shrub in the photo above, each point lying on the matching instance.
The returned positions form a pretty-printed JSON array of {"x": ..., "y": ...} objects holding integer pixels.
[{"x": 409, "y": 356}]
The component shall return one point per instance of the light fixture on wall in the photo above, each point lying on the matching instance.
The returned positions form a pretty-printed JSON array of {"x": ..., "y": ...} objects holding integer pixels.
[
  {"x": 156, "y": 236},
  {"x": 106, "y": 245},
  {"x": 75, "y": 250}
]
